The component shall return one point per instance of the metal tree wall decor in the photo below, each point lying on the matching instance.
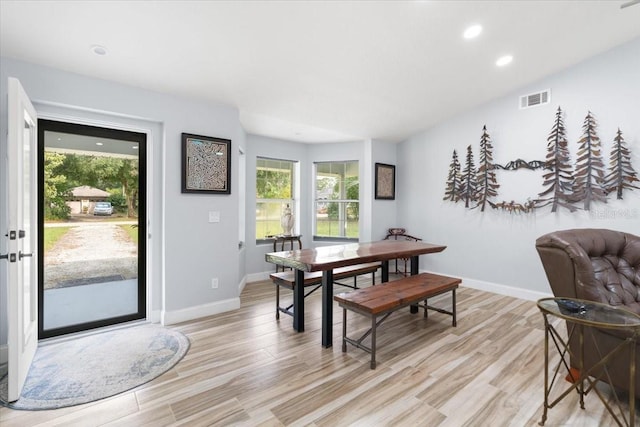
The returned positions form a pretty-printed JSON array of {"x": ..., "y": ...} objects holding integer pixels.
[
  {"x": 454, "y": 180},
  {"x": 589, "y": 175},
  {"x": 562, "y": 187},
  {"x": 487, "y": 182},
  {"x": 558, "y": 181},
  {"x": 469, "y": 187},
  {"x": 622, "y": 174}
]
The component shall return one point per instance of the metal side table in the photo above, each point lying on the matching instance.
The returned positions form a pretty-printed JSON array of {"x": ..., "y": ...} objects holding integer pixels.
[
  {"x": 283, "y": 239},
  {"x": 578, "y": 314}
]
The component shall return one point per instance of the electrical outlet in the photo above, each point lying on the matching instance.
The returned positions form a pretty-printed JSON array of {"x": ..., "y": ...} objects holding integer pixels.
[{"x": 214, "y": 283}]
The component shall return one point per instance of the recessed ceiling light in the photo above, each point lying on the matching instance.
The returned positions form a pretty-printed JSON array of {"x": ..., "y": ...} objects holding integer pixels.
[
  {"x": 504, "y": 60},
  {"x": 135, "y": 147},
  {"x": 98, "y": 50},
  {"x": 472, "y": 32},
  {"x": 99, "y": 143}
]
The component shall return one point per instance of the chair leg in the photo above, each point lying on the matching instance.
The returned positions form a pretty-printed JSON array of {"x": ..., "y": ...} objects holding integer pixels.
[{"x": 277, "y": 302}]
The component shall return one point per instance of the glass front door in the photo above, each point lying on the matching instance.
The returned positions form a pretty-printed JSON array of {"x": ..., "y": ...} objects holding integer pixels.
[{"x": 92, "y": 219}]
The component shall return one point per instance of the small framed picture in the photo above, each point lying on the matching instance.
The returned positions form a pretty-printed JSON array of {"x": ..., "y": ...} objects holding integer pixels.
[
  {"x": 385, "y": 182},
  {"x": 206, "y": 164}
]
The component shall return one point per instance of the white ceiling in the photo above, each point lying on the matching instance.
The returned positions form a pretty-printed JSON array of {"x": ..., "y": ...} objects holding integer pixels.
[{"x": 319, "y": 71}]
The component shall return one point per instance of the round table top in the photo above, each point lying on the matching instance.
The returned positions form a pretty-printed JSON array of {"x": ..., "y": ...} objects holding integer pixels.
[{"x": 590, "y": 313}]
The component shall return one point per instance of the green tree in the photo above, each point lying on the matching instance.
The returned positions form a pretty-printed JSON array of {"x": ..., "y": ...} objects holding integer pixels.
[
  {"x": 105, "y": 172},
  {"x": 351, "y": 192},
  {"x": 55, "y": 186},
  {"x": 273, "y": 184}
]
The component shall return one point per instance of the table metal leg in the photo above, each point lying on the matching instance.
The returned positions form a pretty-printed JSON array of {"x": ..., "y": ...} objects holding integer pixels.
[
  {"x": 384, "y": 274},
  {"x": 546, "y": 371},
  {"x": 327, "y": 308},
  {"x": 414, "y": 270},
  {"x": 298, "y": 302},
  {"x": 414, "y": 265}
]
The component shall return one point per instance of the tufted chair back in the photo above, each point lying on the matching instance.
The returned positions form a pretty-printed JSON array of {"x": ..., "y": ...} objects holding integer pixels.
[
  {"x": 593, "y": 264},
  {"x": 603, "y": 266}
]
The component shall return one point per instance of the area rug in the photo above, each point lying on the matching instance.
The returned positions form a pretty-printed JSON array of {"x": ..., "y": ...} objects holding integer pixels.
[{"x": 97, "y": 366}]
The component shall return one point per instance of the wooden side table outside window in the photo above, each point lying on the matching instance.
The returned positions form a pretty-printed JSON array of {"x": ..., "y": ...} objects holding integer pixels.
[
  {"x": 283, "y": 242},
  {"x": 579, "y": 314}
]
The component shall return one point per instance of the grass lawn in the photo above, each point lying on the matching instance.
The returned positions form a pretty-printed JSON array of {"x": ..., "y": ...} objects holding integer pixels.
[
  {"x": 325, "y": 228},
  {"x": 52, "y": 235},
  {"x": 132, "y": 231}
]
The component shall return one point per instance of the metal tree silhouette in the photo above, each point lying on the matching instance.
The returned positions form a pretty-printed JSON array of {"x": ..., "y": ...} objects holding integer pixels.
[
  {"x": 487, "y": 182},
  {"x": 454, "y": 180},
  {"x": 558, "y": 181},
  {"x": 589, "y": 176},
  {"x": 469, "y": 187},
  {"x": 622, "y": 174}
]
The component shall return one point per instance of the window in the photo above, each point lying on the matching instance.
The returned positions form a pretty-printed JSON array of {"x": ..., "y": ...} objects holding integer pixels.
[
  {"x": 337, "y": 200},
  {"x": 275, "y": 189}
]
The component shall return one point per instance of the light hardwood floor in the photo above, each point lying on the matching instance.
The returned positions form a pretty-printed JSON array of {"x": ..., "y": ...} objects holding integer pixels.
[{"x": 245, "y": 368}]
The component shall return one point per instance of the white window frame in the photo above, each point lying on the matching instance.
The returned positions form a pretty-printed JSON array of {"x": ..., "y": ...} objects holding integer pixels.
[
  {"x": 343, "y": 201},
  {"x": 293, "y": 202}
]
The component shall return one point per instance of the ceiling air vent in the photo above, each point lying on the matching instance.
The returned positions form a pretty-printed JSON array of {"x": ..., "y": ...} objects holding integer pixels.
[{"x": 535, "y": 99}]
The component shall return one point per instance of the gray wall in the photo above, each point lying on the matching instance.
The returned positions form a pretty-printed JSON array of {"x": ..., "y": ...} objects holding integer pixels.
[
  {"x": 495, "y": 249},
  {"x": 188, "y": 250}
]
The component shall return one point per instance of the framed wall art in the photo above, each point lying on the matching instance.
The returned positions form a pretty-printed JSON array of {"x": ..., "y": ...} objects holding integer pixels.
[
  {"x": 385, "y": 181},
  {"x": 206, "y": 164}
]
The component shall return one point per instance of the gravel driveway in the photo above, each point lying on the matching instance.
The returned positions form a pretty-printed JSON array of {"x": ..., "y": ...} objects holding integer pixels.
[{"x": 91, "y": 253}]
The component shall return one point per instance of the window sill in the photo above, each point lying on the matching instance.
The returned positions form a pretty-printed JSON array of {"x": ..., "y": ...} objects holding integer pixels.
[{"x": 335, "y": 239}]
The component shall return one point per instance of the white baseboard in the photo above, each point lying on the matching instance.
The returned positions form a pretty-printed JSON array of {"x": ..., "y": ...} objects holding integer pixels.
[
  {"x": 155, "y": 316},
  {"x": 258, "y": 277},
  {"x": 496, "y": 288},
  {"x": 196, "y": 312},
  {"x": 242, "y": 284},
  {"x": 4, "y": 354}
]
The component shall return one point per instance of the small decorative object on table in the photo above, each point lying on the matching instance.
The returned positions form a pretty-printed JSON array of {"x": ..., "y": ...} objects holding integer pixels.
[{"x": 287, "y": 221}]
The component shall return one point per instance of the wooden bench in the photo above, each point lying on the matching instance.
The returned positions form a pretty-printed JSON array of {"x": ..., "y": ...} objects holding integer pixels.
[
  {"x": 388, "y": 297},
  {"x": 286, "y": 279}
]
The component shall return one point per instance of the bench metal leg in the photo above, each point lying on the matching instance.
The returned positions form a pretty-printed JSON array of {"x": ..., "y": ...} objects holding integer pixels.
[
  {"x": 277, "y": 301},
  {"x": 454, "y": 322},
  {"x": 344, "y": 330},
  {"x": 452, "y": 313},
  {"x": 373, "y": 342}
]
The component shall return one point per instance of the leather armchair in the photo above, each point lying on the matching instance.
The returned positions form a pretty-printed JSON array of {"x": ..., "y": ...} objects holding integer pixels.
[{"x": 596, "y": 265}]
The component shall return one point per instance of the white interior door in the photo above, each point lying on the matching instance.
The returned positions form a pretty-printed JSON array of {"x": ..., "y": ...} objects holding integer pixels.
[{"x": 23, "y": 234}]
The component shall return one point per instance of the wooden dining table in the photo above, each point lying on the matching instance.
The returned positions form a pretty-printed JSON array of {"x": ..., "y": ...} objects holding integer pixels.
[{"x": 327, "y": 258}]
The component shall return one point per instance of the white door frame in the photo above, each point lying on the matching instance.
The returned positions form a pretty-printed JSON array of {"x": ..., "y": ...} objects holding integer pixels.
[{"x": 155, "y": 206}]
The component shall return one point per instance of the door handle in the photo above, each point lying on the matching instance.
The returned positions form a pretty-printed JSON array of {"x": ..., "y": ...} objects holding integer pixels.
[
  {"x": 21, "y": 255},
  {"x": 9, "y": 257}
]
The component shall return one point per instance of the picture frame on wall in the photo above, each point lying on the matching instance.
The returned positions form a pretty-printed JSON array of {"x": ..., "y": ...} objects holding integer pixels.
[
  {"x": 385, "y": 186},
  {"x": 206, "y": 164}
]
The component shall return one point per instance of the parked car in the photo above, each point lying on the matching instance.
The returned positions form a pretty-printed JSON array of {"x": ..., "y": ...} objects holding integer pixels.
[{"x": 103, "y": 208}]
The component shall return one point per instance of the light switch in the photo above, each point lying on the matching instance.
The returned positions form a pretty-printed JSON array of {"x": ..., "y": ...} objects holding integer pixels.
[{"x": 214, "y": 216}]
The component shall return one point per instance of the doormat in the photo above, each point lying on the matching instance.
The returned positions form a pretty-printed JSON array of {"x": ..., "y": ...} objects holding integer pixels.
[{"x": 97, "y": 366}]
